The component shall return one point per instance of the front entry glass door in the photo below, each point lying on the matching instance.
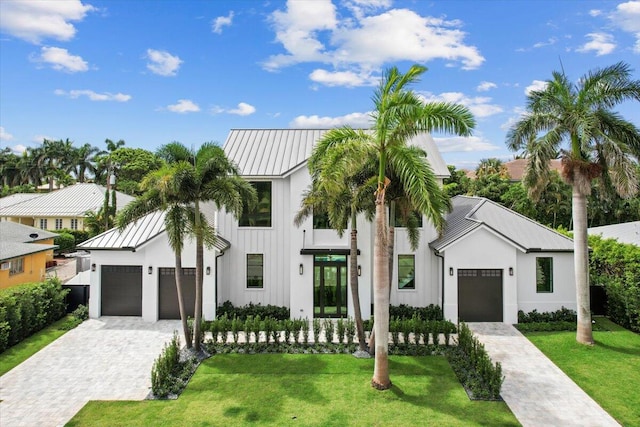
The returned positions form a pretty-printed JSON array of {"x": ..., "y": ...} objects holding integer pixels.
[{"x": 330, "y": 286}]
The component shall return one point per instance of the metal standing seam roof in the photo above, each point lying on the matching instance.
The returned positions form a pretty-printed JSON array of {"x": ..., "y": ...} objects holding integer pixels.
[
  {"x": 470, "y": 213},
  {"x": 135, "y": 235},
  {"x": 19, "y": 240},
  {"x": 626, "y": 232},
  {"x": 72, "y": 201},
  {"x": 16, "y": 198},
  {"x": 279, "y": 152}
]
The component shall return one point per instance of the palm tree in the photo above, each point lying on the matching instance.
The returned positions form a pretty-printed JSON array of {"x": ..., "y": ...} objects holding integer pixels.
[
  {"x": 206, "y": 175},
  {"x": 599, "y": 145},
  {"x": 399, "y": 115},
  {"x": 84, "y": 161},
  {"x": 160, "y": 193}
]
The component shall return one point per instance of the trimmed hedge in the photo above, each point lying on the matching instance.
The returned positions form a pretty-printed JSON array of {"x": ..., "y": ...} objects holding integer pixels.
[
  {"x": 28, "y": 308},
  {"x": 562, "y": 315},
  {"x": 473, "y": 366},
  {"x": 546, "y": 326},
  {"x": 616, "y": 267},
  {"x": 404, "y": 311},
  {"x": 252, "y": 310},
  {"x": 66, "y": 243}
]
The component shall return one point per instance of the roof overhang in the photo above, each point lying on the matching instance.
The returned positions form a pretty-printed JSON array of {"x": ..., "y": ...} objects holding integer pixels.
[{"x": 325, "y": 251}]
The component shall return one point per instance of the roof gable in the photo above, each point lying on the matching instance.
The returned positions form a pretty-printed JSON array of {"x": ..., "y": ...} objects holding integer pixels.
[
  {"x": 20, "y": 240},
  {"x": 279, "y": 152},
  {"x": 470, "y": 213}
]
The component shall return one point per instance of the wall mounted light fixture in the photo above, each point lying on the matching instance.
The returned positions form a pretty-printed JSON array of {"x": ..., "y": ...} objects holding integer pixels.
[
  {"x": 93, "y": 267},
  {"x": 208, "y": 270},
  {"x": 359, "y": 270},
  {"x": 510, "y": 271},
  {"x": 301, "y": 269},
  {"x": 450, "y": 271},
  {"x": 150, "y": 270}
]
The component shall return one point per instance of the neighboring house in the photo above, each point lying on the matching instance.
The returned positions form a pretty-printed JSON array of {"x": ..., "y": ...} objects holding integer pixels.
[
  {"x": 133, "y": 272},
  {"x": 489, "y": 262},
  {"x": 24, "y": 253},
  {"x": 627, "y": 232},
  {"x": 16, "y": 198},
  {"x": 516, "y": 168},
  {"x": 64, "y": 208}
]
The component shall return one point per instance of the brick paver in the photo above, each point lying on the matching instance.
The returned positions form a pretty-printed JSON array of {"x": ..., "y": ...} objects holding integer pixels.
[
  {"x": 536, "y": 390},
  {"x": 102, "y": 359}
]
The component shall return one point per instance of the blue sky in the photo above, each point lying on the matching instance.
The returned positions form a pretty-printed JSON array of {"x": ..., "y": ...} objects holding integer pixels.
[{"x": 152, "y": 72}]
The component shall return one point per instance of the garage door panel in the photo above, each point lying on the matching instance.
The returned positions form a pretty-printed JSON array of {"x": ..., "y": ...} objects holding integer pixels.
[
  {"x": 121, "y": 290},
  {"x": 480, "y": 295},
  {"x": 168, "y": 295}
]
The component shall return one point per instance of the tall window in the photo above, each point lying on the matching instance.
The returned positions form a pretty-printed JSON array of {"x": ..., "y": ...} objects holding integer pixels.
[
  {"x": 413, "y": 217},
  {"x": 406, "y": 272},
  {"x": 74, "y": 223},
  {"x": 321, "y": 220},
  {"x": 544, "y": 274},
  {"x": 58, "y": 223},
  {"x": 255, "y": 271},
  {"x": 260, "y": 216},
  {"x": 17, "y": 266},
  {"x": 43, "y": 223}
]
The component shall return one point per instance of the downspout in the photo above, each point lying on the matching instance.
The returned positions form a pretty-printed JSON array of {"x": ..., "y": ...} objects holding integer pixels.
[
  {"x": 436, "y": 253},
  {"x": 216, "y": 280}
]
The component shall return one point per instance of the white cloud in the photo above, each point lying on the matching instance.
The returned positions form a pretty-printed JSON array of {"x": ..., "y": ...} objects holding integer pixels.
[
  {"x": 243, "y": 109},
  {"x": 36, "y": 20},
  {"x": 480, "y": 106},
  {"x": 355, "y": 45},
  {"x": 93, "y": 96},
  {"x": 485, "y": 86},
  {"x": 4, "y": 135},
  {"x": 19, "y": 149},
  {"x": 535, "y": 85},
  {"x": 549, "y": 42},
  {"x": 61, "y": 60},
  {"x": 355, "y": 120},
  {"x": 627, "y": 18},
  {"x": 464, "y": 144},
  {"x": 220, "y": 22},
  {"x": 162, "y": 62},
  {"x": 184, "y": 106},
  {"x": 343, "y": 78},
  {"x": 600, "y": 43},
  {"x": 40, "y": 138},
  {"x": 595, "y": 12}
]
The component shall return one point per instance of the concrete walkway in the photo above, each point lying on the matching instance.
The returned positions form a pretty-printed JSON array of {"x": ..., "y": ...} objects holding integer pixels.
[
  {"x": 536, "y": 390},
  {"x": 105, "y": 359}
]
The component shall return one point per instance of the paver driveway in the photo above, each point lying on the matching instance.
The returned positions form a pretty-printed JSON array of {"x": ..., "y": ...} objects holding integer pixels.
[
  {"x": 536, "y": 390},
  {"x": 102, "y": 359}
]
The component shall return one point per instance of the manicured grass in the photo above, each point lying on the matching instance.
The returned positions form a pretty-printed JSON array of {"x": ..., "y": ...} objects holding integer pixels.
[
  {"x": 20, "y": 352},
  {"x": 307, "y": 390},
  {"x": 609, "y": 371}
]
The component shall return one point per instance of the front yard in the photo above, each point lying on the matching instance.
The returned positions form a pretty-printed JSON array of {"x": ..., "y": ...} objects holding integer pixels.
[
  {"x": 609, "y": 371},
  {"x": 307, "y": 390}
]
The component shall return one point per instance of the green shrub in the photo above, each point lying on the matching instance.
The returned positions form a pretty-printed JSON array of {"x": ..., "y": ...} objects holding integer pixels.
[
  {"x": 26, "y": 309},
  {"x": 253, "y": 310},
  {"x": 562, "y": 315},
  {"x": 546, "y": 326},
  {"x": 404, "y": 311},
  {"x": 66, "y": 242},
  {"x": 167, "y": 369},
  {"x": 81, "y": 313},
  {"x": 79, "y": 236},
  {"x": 473, "y": 366}
]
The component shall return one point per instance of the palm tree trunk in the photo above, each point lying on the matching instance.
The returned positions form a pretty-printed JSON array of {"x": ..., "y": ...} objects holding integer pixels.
[
  {"x": 380, "y": 378},
  {"x": 199, "y": 264},
  {"x": 183, "y": 314},
  {"x": 584, "y": 333},
  {"x": 355, "y": 296}
]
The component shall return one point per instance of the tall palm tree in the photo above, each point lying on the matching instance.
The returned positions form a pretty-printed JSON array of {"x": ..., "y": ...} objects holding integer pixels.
[
  {"x": 399, "y": 114},
  {"x": 84, "y": 161},
  {"x": 161, "y": 193},
  {"x": 206, "y": 175},
  {"x": 598, "y": 142}
]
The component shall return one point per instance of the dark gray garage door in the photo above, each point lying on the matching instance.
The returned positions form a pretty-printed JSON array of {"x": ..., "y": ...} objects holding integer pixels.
[
  {"x": 168, "y": 301},
  {"x": 121, "y": 290},
  {"x": 480, "y": 295}
]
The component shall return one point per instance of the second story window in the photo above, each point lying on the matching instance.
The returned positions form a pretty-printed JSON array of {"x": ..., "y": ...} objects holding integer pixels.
[
  {"x": 58, "y": 223},
  {"x": 43, "y": 223},
  {"x": 74, "y": 223},
  {"x": 260, "y": 216}
]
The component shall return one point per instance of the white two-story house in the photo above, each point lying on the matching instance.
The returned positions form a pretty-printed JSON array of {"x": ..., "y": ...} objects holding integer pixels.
[{"x": 488, "y": 263}]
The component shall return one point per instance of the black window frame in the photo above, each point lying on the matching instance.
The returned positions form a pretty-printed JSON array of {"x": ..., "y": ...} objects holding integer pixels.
[
  {"x": 255, "y": 281},
  {"x": 546, "y": 281},
  {"x": 254, "y": 218},
  {"x": 403, "y": 276}
]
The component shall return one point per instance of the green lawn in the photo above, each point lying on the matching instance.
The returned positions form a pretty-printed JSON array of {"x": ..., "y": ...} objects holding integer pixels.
[
  {"x": 20, "y": 352},
  {"x": 609, "y": 371},
  {"x": 307, "y": 390}
]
